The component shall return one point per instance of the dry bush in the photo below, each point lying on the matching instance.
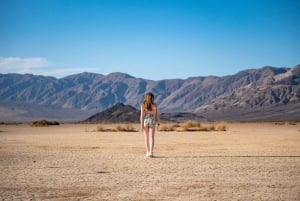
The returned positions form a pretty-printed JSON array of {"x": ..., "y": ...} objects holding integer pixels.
[
  {"x": 126, "y": 128},
  {"x": 221, "y": 126},
  {"x": 279, "y": 123},
  {"x": 119, "y": 128},
  {"x": 189, "y": 126},
  {"x": 204, "y": 129},
  {"x": 100, "y": 128},
  {"x": 194, "y": 126},
  {"x": 184, "y": 127},
  {"x": 212, "y": 127},
  {"x": 172, "y": 127},
  {"x": 43, "y": 122},
  {"x": 10, "y": 123},
  {"x": 167, "y": 128},
  {"x": 53, "y": 123},
  {"x": 292, "y": 123},
  {"x": 197, "y": 126}
]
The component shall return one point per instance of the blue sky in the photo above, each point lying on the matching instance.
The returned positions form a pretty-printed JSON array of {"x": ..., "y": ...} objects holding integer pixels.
[{"x": 151, "y": 39}]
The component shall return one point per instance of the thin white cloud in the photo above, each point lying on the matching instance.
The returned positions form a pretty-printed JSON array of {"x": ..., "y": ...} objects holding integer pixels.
[
  {"x": 22, "y": 65},
  {"x": 38, "y": 66}
]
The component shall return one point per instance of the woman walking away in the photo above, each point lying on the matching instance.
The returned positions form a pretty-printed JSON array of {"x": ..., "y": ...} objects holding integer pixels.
[{"x": 149, "y": 122}]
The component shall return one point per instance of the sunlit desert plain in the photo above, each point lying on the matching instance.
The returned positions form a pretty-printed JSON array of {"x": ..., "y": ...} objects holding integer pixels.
[{"x": 247, "y": 161}]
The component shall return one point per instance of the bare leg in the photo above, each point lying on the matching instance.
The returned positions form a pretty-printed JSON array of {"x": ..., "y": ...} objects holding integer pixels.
[
  {"x": 147, "y": 140},
  {"x": 152, "y": 134}
]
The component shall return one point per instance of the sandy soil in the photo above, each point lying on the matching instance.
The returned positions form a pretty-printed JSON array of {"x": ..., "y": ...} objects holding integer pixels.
[{"x": 249, "y": 161}]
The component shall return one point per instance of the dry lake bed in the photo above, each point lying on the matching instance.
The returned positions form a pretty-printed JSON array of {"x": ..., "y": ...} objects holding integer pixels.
[{"x": 248, "y": 161}]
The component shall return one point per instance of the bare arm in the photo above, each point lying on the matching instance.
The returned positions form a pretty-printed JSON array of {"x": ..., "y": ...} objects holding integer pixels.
[
  {"x": 157, "y": 115},
  {"x": 142, "y": 118}
]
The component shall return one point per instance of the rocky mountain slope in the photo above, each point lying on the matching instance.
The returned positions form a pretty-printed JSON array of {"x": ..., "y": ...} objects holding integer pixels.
[
  {"x": 116, "y": 114},
  {"x": 267, "y": 93}
]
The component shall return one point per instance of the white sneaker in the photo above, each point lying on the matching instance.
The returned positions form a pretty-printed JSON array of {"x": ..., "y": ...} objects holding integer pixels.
[
  {"x": 151, "y": 154},
  {"x": 148, "y": 154}
]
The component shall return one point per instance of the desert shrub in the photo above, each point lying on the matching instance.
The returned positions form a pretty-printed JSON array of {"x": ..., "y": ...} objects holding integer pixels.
[
  {"x": 53, "y": 123},
  {"x": 119, "y": 128},
  {"x": 292, "y": 123},
  {"x": 39, "y": 123},
  {"x": 279, "y": 123},
  {"x": 167, "y": 128},
  {"x": 174, "y": 126},
  {"x": 204, "y": 129},
  {"x": 212, "y": 127},
  {"x": 100, "y": 128},
  {"x": 43, "y": 122},
  {"x": 126, "y": 128},
  {"x": 221, "y": 126},
  {"x": 197, "y": 126},
  {"x": 194, "y": 126},
  {"x": 184, "y": 127},
  {"x": 10, "y": 123},
  {"x": 189, "y": 126}
]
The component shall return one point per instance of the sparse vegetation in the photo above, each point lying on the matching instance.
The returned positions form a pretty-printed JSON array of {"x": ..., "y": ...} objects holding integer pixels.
[
  {"x": 10, "y": 123},
  {"x": 292, "y": 123},
  {"x": 167, "y": 128},
  {"x": 279, "y": 123},
  {"x": 194, "y": 126},
  {"x": 286, "y": 122},
  {"x": 100, "y": 128},
  {"x": 190, "y": 126},
  {"x": 41, "y": 123},
  {"x": 120, "y": 128},
  {"x": 221, "y": 126},
  {"x": 126, "y": 128}
]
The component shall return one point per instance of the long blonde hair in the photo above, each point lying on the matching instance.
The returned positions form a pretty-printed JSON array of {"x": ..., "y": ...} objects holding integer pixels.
[{"x": 148, "y": 101}]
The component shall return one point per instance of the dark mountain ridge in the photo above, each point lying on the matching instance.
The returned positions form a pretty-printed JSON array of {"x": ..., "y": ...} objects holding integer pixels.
[
  {"x": 255, "y": 92},
  {"x": 120, "y": 113},
  {"x": 117, "y": 114}
]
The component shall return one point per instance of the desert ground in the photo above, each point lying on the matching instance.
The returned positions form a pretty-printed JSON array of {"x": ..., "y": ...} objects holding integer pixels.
[{"x": 248, "y": 161}]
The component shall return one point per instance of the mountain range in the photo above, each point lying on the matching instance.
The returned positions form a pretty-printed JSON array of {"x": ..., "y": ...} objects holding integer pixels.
[{"x": 267, "y": 93}]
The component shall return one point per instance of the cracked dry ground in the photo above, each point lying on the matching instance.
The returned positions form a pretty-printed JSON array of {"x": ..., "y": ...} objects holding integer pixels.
[{"x": 250, "y": 161}]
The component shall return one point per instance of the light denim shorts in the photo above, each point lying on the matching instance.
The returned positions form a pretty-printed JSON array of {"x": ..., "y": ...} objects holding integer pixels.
[{"x": 149, "y": 120}]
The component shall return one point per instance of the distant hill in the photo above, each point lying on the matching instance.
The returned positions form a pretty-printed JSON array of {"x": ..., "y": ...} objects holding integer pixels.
[
  {"x": 116, "y": 114},
  {"x": 267, "y": 93},
  {"x": 127, "y": 114}
]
